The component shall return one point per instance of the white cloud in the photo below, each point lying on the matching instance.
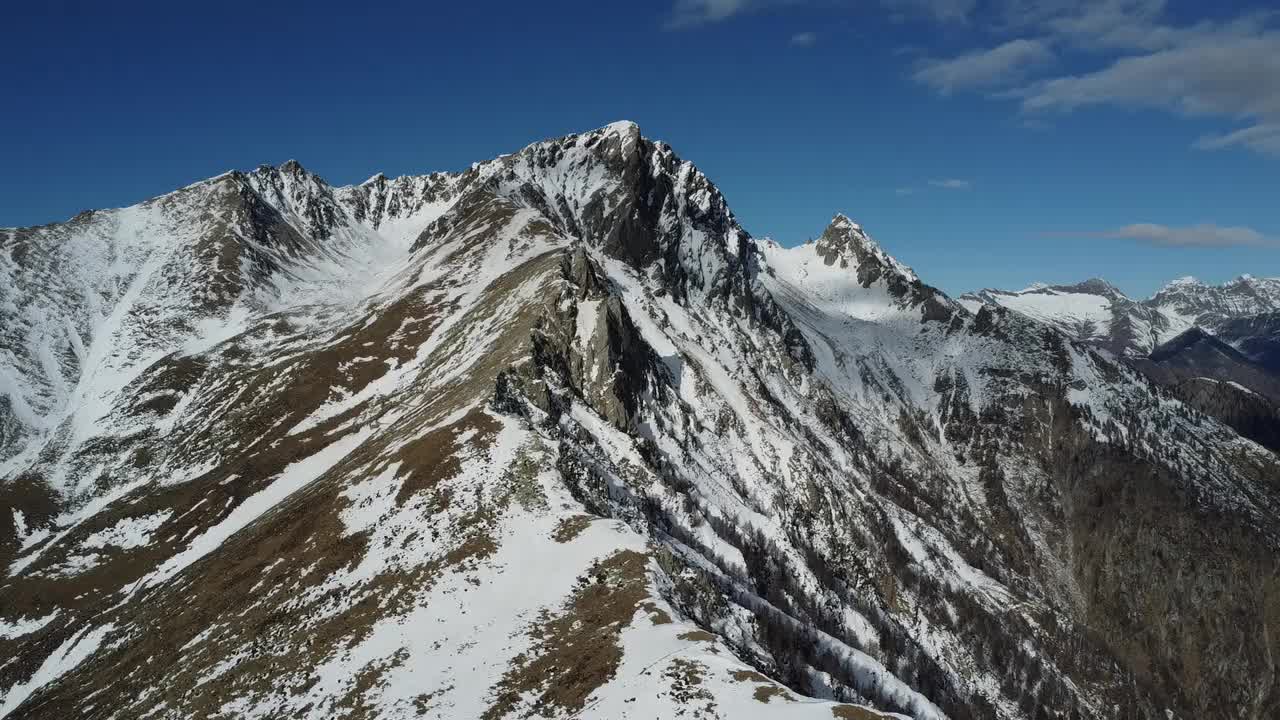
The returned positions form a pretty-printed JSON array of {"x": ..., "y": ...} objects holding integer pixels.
[
  {"x": 1124, "y": 24},
  {"x": 1227, "y": 67},
  {"x": 985, "y": 68},
  {"x": 1231, "y": 72},
  {"x": 1215, "y": 68},
  {"x": 951, "y": 184},
  {"x": 1264, "y": 138},
  {"x": 904, "y": 191},
  {"x": 691, "y": 13},
  {"x": 1229, "y": 75},
  {"x": 1204, "y": 235},
  {"x": 1023, "y": 14}
]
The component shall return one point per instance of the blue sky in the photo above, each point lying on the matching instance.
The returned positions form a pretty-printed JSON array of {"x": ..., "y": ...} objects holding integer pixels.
[{"x": 984, "y": 142}]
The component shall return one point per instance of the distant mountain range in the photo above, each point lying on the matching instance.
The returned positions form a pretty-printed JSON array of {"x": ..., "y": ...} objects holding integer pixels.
[
  {"x": 1189, "y": 336},
  {"x": 556, "y": 437},
  {"x": 1096, "y": 311}
]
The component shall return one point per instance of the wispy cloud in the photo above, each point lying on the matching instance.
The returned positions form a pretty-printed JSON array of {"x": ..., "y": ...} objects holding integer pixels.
[
  {"x": 1263, "y": 138},
  {"x": 1233, "y": 70},
  {"x": 904, "y": 191},
  {"x": 985, "y": 68},
  {"x": 1230, "y": 72},
  {"x": 692, "y": 13},
  {"x": 1228, "y": 68},
  {"x": 1123, "y": 24},
  {"x": 688, "y": 14},
  {"x": 951, "y": 184},
  {"x": 1203, "y": 236},
  {"x": 937, "y": 10}
]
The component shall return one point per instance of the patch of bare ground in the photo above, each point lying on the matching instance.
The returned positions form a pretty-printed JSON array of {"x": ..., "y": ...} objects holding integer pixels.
[
  {"x": 30, "y": 495},
  {"x": 570, "y": 528},
  {"x": 576, "y": 650},
  {"x": 433, "y": 457},
  {"x": 686, "y": 678},
  {"x": 856, "y": 712},
  {"x": 768, "y": 688},
  {"x": 657, "y": 615},
  {"x": 698, "y": 636},
  {"x": 426, "y": 701},
  {"x": 765, "y": 693},
  {"x": 355, "y": 703}
]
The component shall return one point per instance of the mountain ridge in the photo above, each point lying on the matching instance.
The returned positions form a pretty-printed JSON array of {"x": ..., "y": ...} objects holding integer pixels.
[
  {"x": 1097, "y": 310},
  {"x": 748, "y": 480}
]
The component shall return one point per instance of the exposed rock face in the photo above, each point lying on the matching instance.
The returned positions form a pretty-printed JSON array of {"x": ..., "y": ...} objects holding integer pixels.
[{"x": 556, "y": 437}]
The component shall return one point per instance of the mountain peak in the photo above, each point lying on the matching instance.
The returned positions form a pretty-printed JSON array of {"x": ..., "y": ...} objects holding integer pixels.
[
  {"x": 1094, "y": 286},
  {"x": 620, "y": 137},
  {"x": 846, "y": 243},
  {"x": 290, "y": 166},
  {"x": 621, "y": 127},
  {"x": 1186, "y": 281},
  {"x": 842, "y": 220},
  {"x": 288, "y": 169},
  {"x": 843, "y": 236}
]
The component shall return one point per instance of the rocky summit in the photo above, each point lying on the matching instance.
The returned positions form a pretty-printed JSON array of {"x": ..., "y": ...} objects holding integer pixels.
[{"x": 556, "y": 437}]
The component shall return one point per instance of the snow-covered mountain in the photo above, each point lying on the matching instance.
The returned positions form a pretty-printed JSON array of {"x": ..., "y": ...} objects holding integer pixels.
[
  {"x": 1190, "y": 337},
  {"x": 556, "y": 437},
  {"x": 1188, "y": 302},
  {"x": 1098, "y": 312}
]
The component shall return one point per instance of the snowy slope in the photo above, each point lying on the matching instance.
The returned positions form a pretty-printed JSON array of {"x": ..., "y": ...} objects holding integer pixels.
[
  {"x": 1088, "y": 314},
  {"x": 1093, "y": 311},
  {"x": 557, "y": 437}
]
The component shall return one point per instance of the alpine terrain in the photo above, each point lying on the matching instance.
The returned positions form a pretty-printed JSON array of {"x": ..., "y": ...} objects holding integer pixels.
[
  {"x": 556, "y": 437},
  {"x": 1217, "y": 348}
]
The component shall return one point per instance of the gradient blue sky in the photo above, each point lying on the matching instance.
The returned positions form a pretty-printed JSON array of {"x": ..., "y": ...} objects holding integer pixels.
[{"x": 984, "y": 142}]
